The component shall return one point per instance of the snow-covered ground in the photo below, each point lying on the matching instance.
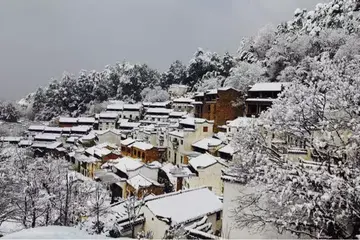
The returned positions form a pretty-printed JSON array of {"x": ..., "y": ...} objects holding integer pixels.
[{"x": 52, "y": 232}]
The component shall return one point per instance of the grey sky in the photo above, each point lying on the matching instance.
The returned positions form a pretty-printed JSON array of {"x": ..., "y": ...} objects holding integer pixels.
[{"x": 40, "y": 39}]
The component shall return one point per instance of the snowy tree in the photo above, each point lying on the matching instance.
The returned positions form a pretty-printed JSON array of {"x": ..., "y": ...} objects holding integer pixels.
[
  {"x": 9, "y": 113},
  {"x": 133, "y": 210},
  {"x": 99, "y": 207},
  {"x": 175, "y": 75},
  {"x": 316, "y": 199},
  {"x": 156, "y": 94}
]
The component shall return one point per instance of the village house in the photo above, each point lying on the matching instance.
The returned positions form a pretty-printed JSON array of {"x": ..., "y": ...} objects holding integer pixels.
[
  {"x": 145, "y": 151},
  {"x": 53, "y": 130},
  {"x": 131, "y": 111},
  {"x": 86, "y": 164},
  {"x": 107, "y": 120},
  {"x": 172, "y": 176},
  {"x": 86, "y": 121},
  {"x": 12, "y": 140},
  {"x": 104, "y": 151},
  {"x": 183, "y": 104},
  {"x": 261, "y": 96},
  {"x": 80, "y": 130},
  {"x": 180, "y": 140},
  {"x": 164, "y": 211},
  {"x": 227, "y": 152},
  {"x": 157, "y": 114},
  {"x": 126, "y": 126},
  {"x": 25, "y": 143},
  {"x": 219, "y": 105},
  {"x": 176, "y": 116},
  {"x": 35, "y": 129},
  {"x": 115, "y": 107},
  {"x": 113, "y": 136},
  {"x": 209, "y": 144},
  {"x": 67, "y": 122},
  {"x": 208, "y": 171},
  {"x": 141, "y": 186}
]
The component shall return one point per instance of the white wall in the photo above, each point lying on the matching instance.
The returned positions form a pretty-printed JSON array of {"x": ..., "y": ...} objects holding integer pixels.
[
  {"x": 130, "y": 114},
  {"x": 110, "y": 137},
  {"x": 153, "y": 224},
  {"x": 210, "y": 176},
  {"x": 106, "y": 125}
]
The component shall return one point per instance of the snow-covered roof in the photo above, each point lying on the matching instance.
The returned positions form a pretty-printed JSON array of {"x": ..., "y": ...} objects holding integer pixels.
[
  {"x": 268, "y": 86},
  {"x": 24, "y": 142},
  {"x": 40, "y": 144},
  {"x": 167, "y": 168},
  {"x": 116, "y": 106},
  {"x": 142, "y": 145},
  {"x": 199, "y": 94},
  {"x": 127, "y": 141},
  {"x": 227, "y": 149},
  {"x": 67, "y": 120},
  {"x": 47, "y": 136},
  {"x": 115, "y": 131},
  {"x": 192, "y": 121},
  {"x": 129, "y": 124},
  {"x": 113, "y": 115},
  {"x": 126, "y": 164},
  {"x": 158, "y": 110},
  {"x": 159, "y": 104},
  {"x": 177, "y": 114},
  {"x": 212, "y": 91},
  {"x": 54, "y": 145},
  {"x": 260, "y": 99},
  {"x": 71, "y": 139},
  {"x": 53, "y": 129},
  {"x": 154, "y": 164},
  {"x": 52, "y": 232},
  {"x": 66, "y": 129},
  {"x": 86, "y": 159},
  {"x": 88, "y": 137},
  {"x": 183, "y": 100},
  {"x": 203, "y": 161},
  {"x": 86, "y": 120},
  {"x": 205, "y": 143},
  {"x": 132, "y": 106},
  {"x": 36, "y": 128},
  {"x": 81, "y": 128},
  {"x": 240, "y": 122},
  {"x": 177, "y": 133},
  {"x": 10, "y": 139},
  {"x": 139, "y": 181},
  {"x": 199, "y": 202}
]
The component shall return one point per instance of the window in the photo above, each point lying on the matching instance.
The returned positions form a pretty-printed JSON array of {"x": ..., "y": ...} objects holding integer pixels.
[
  {"x": 138, "y": 154},
  {"x": 169, "y": 154},
  {"x": 205, "y": 129},
  {"x": 130, "y": 116},
  {"x": 143, "y": 155},
  {"x": 181, "y": 142},
  {"x": 218, "y": 216},
  {"x": 181, "y": 159}
]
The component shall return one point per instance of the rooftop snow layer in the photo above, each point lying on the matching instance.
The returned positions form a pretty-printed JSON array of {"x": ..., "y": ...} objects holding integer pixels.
[
  {"x": 139, "y": 181},
  {"x": 47, "y": 136},
  {"x": 268, "y": 86},
  {"x": 203, "y": 161},
  {"x": 240, "y": 122},
  {"x": 206, "y": 143},
  {"x": 183, "y": 100},
  {"x": 158, "y": 110},
  {"x": 67, "y": 120},
  {"x": 199, "y": 202},
  {"x": 127, "y": 141},
  {"x": 86, "y": 120},
  {"x": 227, "y": 149},
  {"x": 36, "y": 128},
  {"x": 126, "y": 164},
  {"x": 177, "y": 133},
  {"x": 142, "y": 145},
  {"x": 108, "y": 115}
]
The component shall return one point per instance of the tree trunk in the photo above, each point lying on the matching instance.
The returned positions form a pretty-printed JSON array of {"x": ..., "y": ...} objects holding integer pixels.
[{"x": 33, "y": 222}]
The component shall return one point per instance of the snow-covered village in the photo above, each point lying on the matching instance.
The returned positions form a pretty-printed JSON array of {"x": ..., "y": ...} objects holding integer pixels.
[{"x": 260, "y": 143}]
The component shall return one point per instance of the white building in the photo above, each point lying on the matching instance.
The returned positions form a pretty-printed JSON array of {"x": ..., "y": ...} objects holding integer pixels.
[
  {"x": 208, "y": 170},
  {"x": 180, "y": 140},
  {"x": 181, "y": 208},
  {"x": 111, "y": 136},
  {"x": 107, "y": 120},
  {"x": 234, "y": 126},
  {"x": 183, "y": 104},
  {"x": 131, "y": 111},
  {"x": 157, "y": 114},
  {"x": 209, "y": 144}
]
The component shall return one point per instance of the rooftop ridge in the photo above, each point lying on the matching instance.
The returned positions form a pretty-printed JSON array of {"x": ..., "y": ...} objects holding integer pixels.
[{"x": 175, "y": 193}]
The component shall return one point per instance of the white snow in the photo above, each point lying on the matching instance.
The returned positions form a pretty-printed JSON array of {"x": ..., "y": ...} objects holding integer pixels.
[
  {"x": 52, "y": 232},
  {"x": 177, "y": 133},
  {"x": 160, "y": 104},
  {"x": 167, "y": 168},
  {"x": 36, "y": 128},
  {"x": 47, "y": 136},
  {"x": 132, "y": 107},
  {"x": 227, "y": 149},
  {"x": 260, "y": 100},
  {"x": 54, "y": 145},
  {"x": 86, "y": 159},
  {"x": 113, "y": 115},
  {"x": 139, "y": 181},
  {"x": 212, "y": 91},
  {"x": 177, "y": 114},
  {"x": 268, "y": 86},
  {"x": 206, "y": 143},
  {"x": 126, "y": 164},
  {"x": 240, "y": 122},
  {"x": 116, "y": 107},
  {"x": 86, "y": 120},
  {"x": 183, "y": 100},
  {"x": 53, "y": 129},
  {"x": 143, "y": 146},
  {"x": 81, "y": 128},
  {"x": 193, "y": 121},
  {"x": 25, "y": 142},
  {"x": 196, "y": 203},
  {"x": 10, "y": 139},
  {"x": 203, "y": 161},
  {"x": 159, "y": 110},
  {"x": 127, "y": 141},
  {"x": 129, "y": 124},
  {"x": 67, "y": 120}
]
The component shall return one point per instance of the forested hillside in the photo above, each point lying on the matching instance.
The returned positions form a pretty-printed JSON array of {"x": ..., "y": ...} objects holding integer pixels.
[{"x": 274, "y": 54}]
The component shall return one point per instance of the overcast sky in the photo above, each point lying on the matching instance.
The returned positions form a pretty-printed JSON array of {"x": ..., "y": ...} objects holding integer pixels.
[{"x": 40, "y": 39}]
